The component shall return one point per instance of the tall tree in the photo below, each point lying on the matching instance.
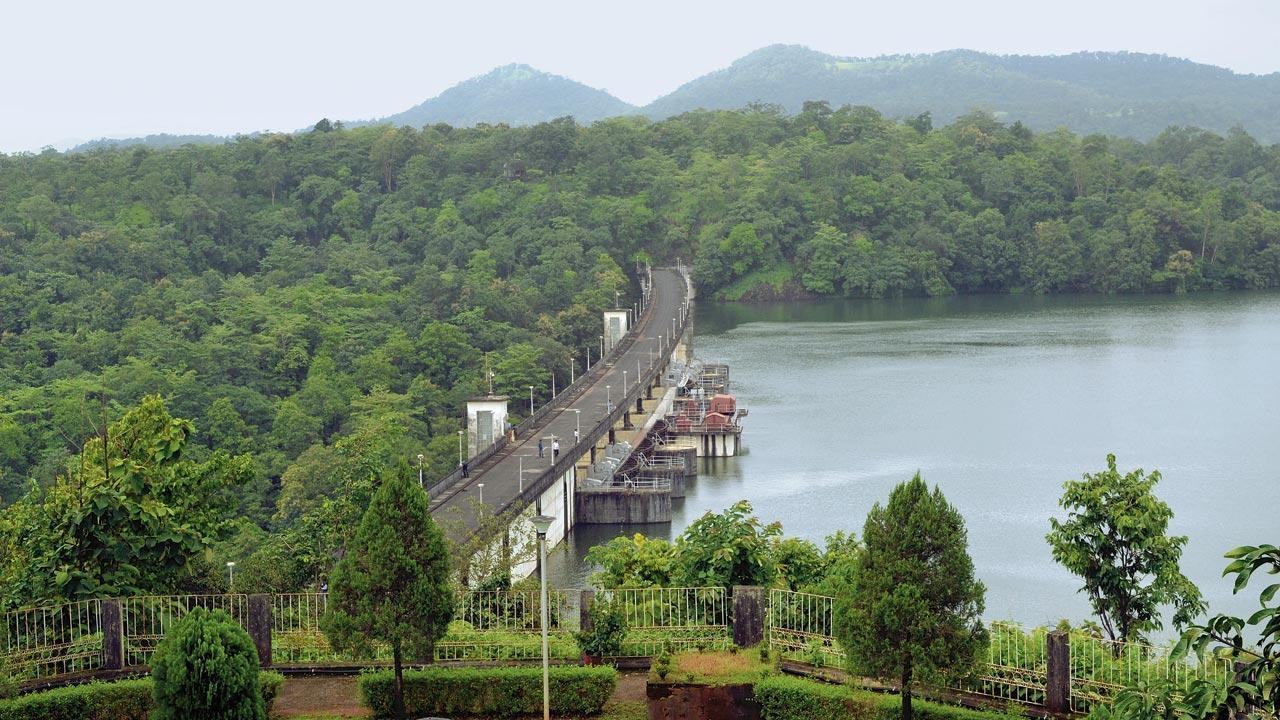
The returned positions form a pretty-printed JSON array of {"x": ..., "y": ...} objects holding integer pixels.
[
  {"x": 131, "y": 514},
  {"x": 912, "y": 606},
  {"x": 393, "y": 584},
  {"x": 1115, "y": 538}
]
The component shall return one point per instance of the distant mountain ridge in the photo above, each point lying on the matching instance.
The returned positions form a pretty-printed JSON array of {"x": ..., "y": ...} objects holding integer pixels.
[
  {"x": 1129, "y": 94},
  {"x": 1115, "y": 93},
  {"x": 512, "y": 94}
]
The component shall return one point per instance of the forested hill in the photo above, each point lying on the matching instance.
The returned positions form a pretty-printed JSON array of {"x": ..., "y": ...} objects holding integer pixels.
[
  {"x": 515, "y": 95},
  {"x": 1125, "y": 94},
  {"x": 326, "y": 300}
]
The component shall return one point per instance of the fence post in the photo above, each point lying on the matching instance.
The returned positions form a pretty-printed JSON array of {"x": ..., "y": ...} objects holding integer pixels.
[
  {"x": 260, "y": 626},
  {"x": 112, "y": 624},
  {"x": 584, "y": 609},
  {"x": 748, "y": 615},
  {"x": 1057, "y": 690}
]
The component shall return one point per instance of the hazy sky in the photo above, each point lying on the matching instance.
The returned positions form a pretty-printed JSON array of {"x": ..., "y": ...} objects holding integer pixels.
[{"x": 74, "y": 71}]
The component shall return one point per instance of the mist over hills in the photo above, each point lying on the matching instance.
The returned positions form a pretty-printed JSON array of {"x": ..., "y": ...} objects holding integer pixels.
[{"x": 1116, "y": 93}]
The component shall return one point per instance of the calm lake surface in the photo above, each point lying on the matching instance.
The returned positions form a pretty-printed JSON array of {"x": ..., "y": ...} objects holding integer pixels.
[{"x": 998, "y": 400}]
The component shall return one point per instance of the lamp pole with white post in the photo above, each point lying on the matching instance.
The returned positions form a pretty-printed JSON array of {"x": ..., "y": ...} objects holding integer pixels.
[
  {"x": 231, "y": 575},
  {"x": 459, "y": 448},
  {"x": 481, "y": 487},
  {"x": 420, "y": 458},
  {"x": 541, "y": 524},
  {"x": 577, "y": 420},
  {"x": 530, "y": 401},
  {"x": 608, "y": 400},
  {"x": 521, "y": 477},
  {"x": 624, "y": 383}
]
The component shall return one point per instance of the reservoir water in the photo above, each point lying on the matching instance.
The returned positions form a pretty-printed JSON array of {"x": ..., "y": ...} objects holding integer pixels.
[{"x": 998, "y": 400}]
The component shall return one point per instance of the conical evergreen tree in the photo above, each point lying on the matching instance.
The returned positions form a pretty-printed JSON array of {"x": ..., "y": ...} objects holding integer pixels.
[
  {"x": 393, "y": 584},
  {"x": 913, "y": 607}
]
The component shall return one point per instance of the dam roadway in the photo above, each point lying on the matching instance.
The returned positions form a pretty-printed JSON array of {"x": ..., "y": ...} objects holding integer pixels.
[{"x": 500, "y": 473}]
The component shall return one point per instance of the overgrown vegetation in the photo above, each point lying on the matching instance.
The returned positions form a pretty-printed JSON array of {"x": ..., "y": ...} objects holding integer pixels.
[{"x": 792, "y": 698}]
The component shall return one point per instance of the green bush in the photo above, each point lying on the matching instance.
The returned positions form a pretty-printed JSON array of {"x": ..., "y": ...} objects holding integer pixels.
[
  {"x": 206, "y": 668},
  {"x": 792, "y": 698},
  {"x": 608, "y": 630},
  {"x": 119, "y": 700},
  {"x": 491, "y": 692}
]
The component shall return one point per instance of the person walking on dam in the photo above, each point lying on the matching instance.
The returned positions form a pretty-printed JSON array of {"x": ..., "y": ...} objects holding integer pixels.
[{"x": 540, "y": 447}]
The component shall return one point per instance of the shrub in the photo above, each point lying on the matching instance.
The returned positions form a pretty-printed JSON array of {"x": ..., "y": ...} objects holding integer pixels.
[
  {"x": 119, "y": 700},
  {"x": 490, "y": 692},
  {"x": 791, "y": 698},
  {"x": 207, "y": 668},
  {"x": 608, "y": 630}
]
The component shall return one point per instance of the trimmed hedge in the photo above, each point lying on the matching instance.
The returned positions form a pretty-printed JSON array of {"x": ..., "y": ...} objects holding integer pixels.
[
  {"x": 119, "y": 700},
  {"x": 490, "y": 692},
  {"x": 793, "y": 698}
]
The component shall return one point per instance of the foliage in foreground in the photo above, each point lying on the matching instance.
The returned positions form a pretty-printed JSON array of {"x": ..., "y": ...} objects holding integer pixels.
[
  {"x": 119, "y": 700},
  {"x": 729, "y": 548},
  {"x": 1255, "y": 688},
  {"x": 393, "y": 584},
  {"x": 792, "y": 698},
  {"x": 913, "y": 608},
  {"x": 206, "y": 668},
  {"x": 490, "y": 692},
  {"x": 132, "y": 516},
  {"x": 1114, "y": 538}
]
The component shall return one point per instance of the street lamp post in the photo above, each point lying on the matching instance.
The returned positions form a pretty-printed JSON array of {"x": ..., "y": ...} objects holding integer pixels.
[
  {"x": 588, "y": 357},
  {"x": 530, "y": 401},
  {"x": 420, "y": 483},
  {"x": 577, "y": 419},
  {"x": 542, "y": 523},
  {"x": 608, "y": 400},
  {"x": 553, "y": 384},
  {"x": 521, "y": 474},
  {"x": 624, "y": 383},
  {"x": 231, "y": 575},
  {"x": 481, "y": 487},
  {"x": 570, "y": 371},
  {"x": 459, "y": 448}
]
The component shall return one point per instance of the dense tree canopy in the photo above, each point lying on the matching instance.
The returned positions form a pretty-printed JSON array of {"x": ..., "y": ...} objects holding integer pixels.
[{"x": 287, "y": 293}]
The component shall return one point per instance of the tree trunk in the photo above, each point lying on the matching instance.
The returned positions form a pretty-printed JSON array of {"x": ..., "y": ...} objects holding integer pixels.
[
  {"x": 906, "y": 691},
  {"x": 397, "y": 697}
]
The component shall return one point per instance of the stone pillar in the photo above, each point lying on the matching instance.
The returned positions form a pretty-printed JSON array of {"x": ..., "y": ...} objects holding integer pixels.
[
  {"x": 1057, "y": 691},
  {"x": 260, "y": 626},
  {"x": 626, "y": 421},
  {"x": 613, "y": 438},
  {"x": 584, "y": 609},
  {"x": 639, "y": 405},
  {"x": 112, "y": 635},
  {"x": 748, "y": 615}
]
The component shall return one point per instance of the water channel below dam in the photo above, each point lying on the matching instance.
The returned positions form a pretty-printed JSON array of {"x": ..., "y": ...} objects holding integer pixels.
[{"x": 998, "y": 400}]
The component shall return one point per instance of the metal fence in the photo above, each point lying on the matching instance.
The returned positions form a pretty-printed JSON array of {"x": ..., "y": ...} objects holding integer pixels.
[
  {"x": 672, "y": 619},
  {"x": 53, "y": 640},
  {"x": 487, "y": 625},
  {"x": 799, "y": 627},
  {"x": 147, "y": 618},
  {"x": 1015, "y": 667},
  {"x": 1100, "y": 668}
]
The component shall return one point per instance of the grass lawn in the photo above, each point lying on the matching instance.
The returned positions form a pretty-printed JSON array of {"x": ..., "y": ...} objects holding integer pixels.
[{"x": 718, "y": 668}]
